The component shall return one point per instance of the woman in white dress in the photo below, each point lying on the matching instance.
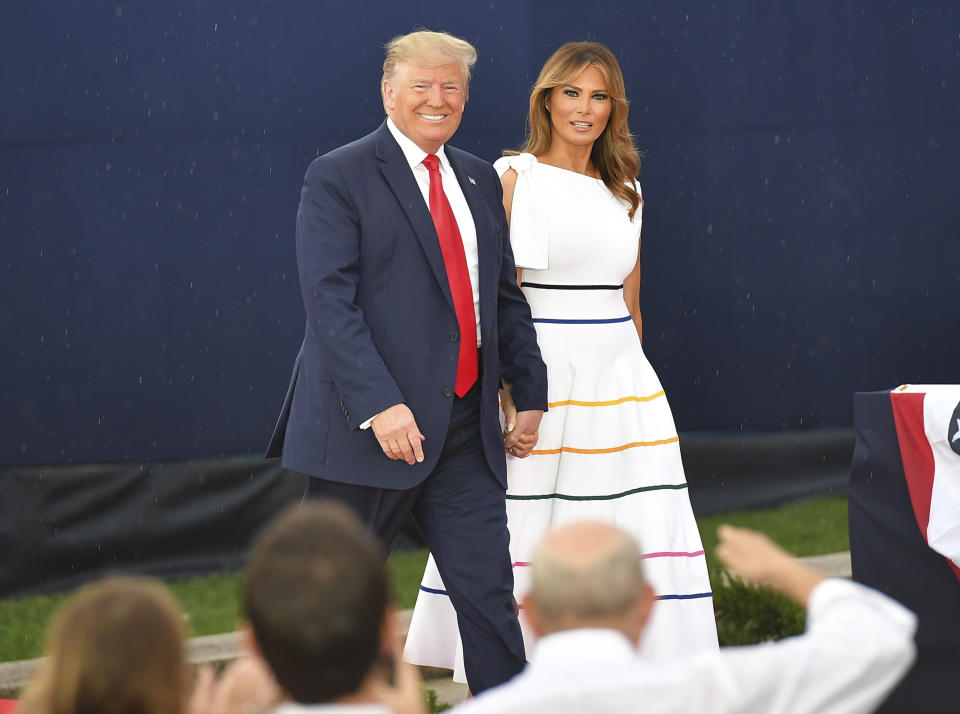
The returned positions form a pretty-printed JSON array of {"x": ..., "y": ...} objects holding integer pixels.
[{"x": 608, "y": 448}]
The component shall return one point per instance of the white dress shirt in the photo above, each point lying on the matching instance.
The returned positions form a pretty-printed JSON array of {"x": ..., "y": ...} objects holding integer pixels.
[
  {"x": 458, "y": 203},
  {"x": 461, "y": 211},
  {"x": 858, "y": 645}
]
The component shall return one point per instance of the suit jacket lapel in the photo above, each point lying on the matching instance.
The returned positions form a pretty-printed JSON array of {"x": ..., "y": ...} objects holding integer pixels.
[
  {"x": 397, "y": 172},
  {"x": 486, "y": 246}
]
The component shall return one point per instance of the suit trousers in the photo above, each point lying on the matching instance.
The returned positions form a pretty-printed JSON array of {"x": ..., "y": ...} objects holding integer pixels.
[{"x": 460, "y": 510}]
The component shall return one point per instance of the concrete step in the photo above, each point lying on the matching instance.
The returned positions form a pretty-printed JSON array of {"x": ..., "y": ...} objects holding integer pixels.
[{"x": 834, "y": 565}]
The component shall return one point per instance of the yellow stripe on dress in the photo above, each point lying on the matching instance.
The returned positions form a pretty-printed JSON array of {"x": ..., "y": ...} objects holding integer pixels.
[
  {"x": 610, "y": 450},
  {"x": 608, "y": 403}
]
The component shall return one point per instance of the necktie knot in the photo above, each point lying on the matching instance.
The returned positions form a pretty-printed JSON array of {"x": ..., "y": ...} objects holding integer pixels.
[{"x": 432, "y": 163}]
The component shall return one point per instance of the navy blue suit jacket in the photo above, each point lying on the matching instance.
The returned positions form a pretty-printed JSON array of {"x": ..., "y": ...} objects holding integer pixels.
[{"x": 381, "y": 327}]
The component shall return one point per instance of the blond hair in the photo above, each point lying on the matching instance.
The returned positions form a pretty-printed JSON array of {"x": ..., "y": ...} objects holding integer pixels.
[
  {"x": 116, "y": 647},
  {"x": 429, "y": 49},
  {"x": 614, "y": 154},
  {"x": 574, "y": 583}
]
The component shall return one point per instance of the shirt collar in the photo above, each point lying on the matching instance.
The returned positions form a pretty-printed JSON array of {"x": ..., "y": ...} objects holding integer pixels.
[
  {"x": 591, "y": 643},
  {"x": 413, "y": 153}
]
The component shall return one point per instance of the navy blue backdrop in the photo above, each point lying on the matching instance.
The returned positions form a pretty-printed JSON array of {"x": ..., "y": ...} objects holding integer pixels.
[{"x": 800, "y": 227}]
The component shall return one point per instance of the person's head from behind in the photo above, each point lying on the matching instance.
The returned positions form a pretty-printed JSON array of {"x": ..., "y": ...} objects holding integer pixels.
[
  {"x": 115, "y": 647},
  {"x": 317, "y": 600},
  {"x": 425, "y": 84},
  {"x": 588, "y": 574}
]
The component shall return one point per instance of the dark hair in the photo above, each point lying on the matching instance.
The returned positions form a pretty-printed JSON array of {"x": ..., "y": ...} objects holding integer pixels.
[{"x": 316, "y": 594}]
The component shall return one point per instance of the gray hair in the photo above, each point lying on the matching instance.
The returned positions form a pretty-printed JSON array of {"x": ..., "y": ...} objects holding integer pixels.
[
  {"x": 429, "y": 49},
  {"x": 605, "y": 582}
]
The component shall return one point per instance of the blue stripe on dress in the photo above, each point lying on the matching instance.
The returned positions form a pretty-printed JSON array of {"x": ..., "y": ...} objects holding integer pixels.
[
  {"x": 434, "y": 591},
  {"x": 582, "y": 322}
]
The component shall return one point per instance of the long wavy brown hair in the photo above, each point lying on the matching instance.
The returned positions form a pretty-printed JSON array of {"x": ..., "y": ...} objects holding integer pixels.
[
  {"x": 116, "y": 647},
  {"x": 614, "y": 154}
]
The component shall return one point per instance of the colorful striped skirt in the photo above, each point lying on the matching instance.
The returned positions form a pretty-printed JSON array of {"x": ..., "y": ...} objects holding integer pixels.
[{"x": 608, "y": 451}]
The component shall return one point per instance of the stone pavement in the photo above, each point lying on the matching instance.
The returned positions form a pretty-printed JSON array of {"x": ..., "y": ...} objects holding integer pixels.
[{"x": 220, "y": 649}]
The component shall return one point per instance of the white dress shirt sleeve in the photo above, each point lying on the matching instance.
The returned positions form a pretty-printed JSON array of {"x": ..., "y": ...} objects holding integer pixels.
[{"x": 858, "y": 645}]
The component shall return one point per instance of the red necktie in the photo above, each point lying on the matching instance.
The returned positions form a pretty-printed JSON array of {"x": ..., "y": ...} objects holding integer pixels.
[{"x": 451, "y": 245}]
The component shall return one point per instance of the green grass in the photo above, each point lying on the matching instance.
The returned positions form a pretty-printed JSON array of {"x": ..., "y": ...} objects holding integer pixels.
[
  {"x": 406, "y": 569},
  {"x": 747, "y": 614},
  {"x": 814, "y": 527},
  {"x": 212, "y": 603},
  {"x": 22, "y": 623}
]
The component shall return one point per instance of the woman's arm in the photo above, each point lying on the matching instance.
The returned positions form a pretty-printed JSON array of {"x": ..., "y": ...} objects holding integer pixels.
[
  {"x": 509, "y": 183},
  {"x": 631, "y": 295},
  {"x": 526, "y": 442}
]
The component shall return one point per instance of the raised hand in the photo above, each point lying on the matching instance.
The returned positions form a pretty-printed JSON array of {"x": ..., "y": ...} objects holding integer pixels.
[
  {"x": 404, "y": 695},
  {"x": 753, "y": 556}
]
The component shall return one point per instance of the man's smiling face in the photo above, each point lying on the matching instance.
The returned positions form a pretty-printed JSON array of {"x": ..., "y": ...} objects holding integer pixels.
[{"x": 426, "y": 103}]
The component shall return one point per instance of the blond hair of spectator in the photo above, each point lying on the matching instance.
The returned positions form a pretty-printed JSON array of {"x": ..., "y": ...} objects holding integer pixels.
[
  {"x": 588, "y": 574},
  {"x": 116, "y": 647}
]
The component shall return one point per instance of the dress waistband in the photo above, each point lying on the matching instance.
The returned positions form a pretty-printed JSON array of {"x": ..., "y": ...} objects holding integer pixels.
[{"x": 576, "y": 304}]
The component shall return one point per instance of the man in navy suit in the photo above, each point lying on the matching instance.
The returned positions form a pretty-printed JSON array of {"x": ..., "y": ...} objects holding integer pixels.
[{"x": 413, "y": 318}]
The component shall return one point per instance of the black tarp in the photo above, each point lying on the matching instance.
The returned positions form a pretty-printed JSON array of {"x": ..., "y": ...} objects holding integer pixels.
[{"x": 64, "y": 525}]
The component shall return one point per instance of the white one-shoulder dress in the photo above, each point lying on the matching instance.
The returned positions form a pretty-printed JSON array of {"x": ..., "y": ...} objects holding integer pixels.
[{"x": 608, "y": 446}]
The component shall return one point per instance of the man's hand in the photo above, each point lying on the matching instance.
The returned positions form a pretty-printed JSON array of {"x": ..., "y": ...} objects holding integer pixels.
[
  {"x": 405, "y": 695},
  {"x": 397, "y": 433},
  {"x": 247, "y": 685},
  {"x": 509, "y": 410},
  {"x": 525, "y": 434},
  {"x": 204, "y": 688},
  {"x": 753, "y": 556}
]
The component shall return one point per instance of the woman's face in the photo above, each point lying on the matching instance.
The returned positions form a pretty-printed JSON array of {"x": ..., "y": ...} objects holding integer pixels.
[{"x": 579, "y": 111}]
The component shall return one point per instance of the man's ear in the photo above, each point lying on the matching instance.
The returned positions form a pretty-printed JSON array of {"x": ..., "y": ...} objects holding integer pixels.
[
  {"x": 639, "y": 614},
  {"x": 644, "y": 608},
  {"x": 529, "y": 606},
  {"x": 647, "y": 600},
  {"x": 388, "y": 94},
  {"x": 248, "y": 640},
  {"x": 388, "y": 630}
]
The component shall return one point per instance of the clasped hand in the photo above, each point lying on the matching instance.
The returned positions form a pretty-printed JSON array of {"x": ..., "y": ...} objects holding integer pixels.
[
  {"x": 521, "y": 430},
  {"x": 400, "y": 439}
]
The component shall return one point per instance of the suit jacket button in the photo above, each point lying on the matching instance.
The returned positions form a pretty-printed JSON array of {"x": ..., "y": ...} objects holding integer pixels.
[
  {"x": 447, "y": 392},
  {"x": 454, "y": 336}
]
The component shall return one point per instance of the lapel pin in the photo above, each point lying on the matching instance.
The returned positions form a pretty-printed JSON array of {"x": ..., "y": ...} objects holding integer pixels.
[{"x": 472, "y": 180}]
